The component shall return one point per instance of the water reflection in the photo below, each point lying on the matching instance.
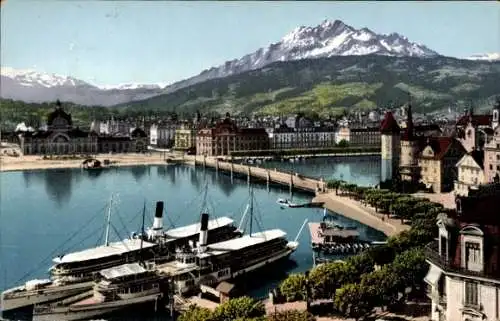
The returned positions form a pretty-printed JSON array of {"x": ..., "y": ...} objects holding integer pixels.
[
  {"x": 355, "y": 169},
  {"x": 139, "y": 171},
  {"x": 95, "y": 173},
  {"x": 59, "y": 184}
]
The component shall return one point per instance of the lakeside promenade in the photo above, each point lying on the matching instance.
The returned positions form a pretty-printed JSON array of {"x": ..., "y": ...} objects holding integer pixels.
[
  {"x": 362, "y": 213},
  {"x": 36, "y": 162}
]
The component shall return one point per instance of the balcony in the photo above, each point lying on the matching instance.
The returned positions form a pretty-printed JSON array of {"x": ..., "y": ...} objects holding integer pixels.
[{"x": 432, "y": 254}]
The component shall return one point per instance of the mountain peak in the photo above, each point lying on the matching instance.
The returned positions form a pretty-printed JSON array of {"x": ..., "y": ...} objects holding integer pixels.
[{"x": 329, "y": 38}]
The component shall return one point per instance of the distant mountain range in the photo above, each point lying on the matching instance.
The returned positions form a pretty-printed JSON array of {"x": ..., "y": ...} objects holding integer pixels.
[
  {"x": 332, "y": 43},
  {"x": 32, "y": 86}
]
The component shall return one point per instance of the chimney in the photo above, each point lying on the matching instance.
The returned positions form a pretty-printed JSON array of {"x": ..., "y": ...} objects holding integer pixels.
[
  {"x": 203, "y": 230},
  {"x": 158, "y": 220}
]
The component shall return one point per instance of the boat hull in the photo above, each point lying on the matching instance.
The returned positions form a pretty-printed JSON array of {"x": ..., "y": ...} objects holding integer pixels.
[
  {"x": 83, "y": 312},
  {"x": 10, "y": 302}
]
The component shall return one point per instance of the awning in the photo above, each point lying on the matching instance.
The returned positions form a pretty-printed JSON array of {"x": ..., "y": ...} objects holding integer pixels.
[{"x": 433, "y": 275}]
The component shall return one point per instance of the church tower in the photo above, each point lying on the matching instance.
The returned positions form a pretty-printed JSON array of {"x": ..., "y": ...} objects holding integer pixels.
[
  {"x": 495, "y": 120},
  {"x": 390, "y": 134},
  {"x": 408, "y": 166}
]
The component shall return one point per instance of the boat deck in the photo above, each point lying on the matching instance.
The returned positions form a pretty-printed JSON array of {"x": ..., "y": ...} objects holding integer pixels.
[{"x": 87, "y": 301}]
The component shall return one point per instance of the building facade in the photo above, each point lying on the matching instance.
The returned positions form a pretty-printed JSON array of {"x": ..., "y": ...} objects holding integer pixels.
[
  {"x": 492, "y": 148},
  {"x": 464, "y": 262},
  {"x": 162, "y": 135},
  {"x": 437, "y": 163},
  {"x": 470, "y": 173},
  {"x": 226, "y": 137},
  {"x": 284, "y": 137},
  {"x": 185, "y": 138},
  {"x": 358, "y": 136},
  {"x": 61, "y": 137}
]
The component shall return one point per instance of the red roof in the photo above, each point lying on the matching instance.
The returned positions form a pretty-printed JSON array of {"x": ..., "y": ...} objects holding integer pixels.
[
  {"x": 441, "y": 145},
  {"x": 477, "y": 120},
  {"x": 389, "y": 125}
]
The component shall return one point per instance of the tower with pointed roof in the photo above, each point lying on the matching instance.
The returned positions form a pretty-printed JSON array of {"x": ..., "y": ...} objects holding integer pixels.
[
  {"x": 408, "y": 166},
  {"x": 390, "y": 133}
]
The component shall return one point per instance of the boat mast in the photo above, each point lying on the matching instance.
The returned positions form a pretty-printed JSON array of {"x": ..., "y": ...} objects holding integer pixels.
[
  {"x": 251, "y": 210},
  {"x": 108, "y": 223},
  {"x": 142, "y": 229}
]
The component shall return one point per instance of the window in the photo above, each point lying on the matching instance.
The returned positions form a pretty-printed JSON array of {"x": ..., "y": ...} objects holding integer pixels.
[
  {"x": 472, "y": 252},
  {"x": 471, "y": 293},
  {"x": 444, "y": 245}
]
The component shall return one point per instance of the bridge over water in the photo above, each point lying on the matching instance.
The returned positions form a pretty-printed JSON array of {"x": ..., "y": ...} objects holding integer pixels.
[{"x": 288, "y": 178}]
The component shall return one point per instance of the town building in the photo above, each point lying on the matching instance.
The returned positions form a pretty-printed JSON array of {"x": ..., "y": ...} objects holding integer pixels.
[
  {"x": 470, "y": 173},
  {"x": 464, "y": 261},
  {"x": 284, "y": 137},
  {"x": 492, "y": 148},
  {"x": 61, "y": 137},
  {"x": 162, "y": 134},
  {"x": 437, "y": 163},
  {"x": 226, "y": 137},
  {"x": 365, "y": 137},
  {"x": 401, "y": 146},
  {"x": 112, "y": 127},
  {"x": 185, "y": 138},
  {"x": 474, "y": 131}
]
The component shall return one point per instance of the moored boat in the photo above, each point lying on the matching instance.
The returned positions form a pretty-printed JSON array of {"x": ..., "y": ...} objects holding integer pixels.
[
  {"x": 120, "y": 287},
  {"x": 73, "y": 273},
  {"x": 209, "y": 264}
]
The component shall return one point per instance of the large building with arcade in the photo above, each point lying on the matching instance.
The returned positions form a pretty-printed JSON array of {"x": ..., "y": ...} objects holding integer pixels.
[{"x": 61, "y": 137}]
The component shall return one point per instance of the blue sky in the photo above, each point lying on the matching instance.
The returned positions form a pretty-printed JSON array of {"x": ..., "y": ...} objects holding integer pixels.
[{"x": 110, "y": 42}]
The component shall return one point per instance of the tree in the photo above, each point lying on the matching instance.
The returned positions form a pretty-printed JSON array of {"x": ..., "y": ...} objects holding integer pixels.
[
  {"x": 294, "y": 287},
  {"x": 382, "y": 284},
  {"x": 411, "y": 268},
  {"x": 354, "y": 301},
  {"x": 243, "y": 307},
  {"x": 195, "y": 313},
  {"x": 343, "y": 143},
  {"x": 326, "y": 278}
]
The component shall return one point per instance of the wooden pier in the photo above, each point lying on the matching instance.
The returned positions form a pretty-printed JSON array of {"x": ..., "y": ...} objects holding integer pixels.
[{"x": 291, "y": 179}]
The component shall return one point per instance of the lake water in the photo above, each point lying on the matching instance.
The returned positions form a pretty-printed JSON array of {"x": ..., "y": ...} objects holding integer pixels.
[{"x": 42, "y": 210}]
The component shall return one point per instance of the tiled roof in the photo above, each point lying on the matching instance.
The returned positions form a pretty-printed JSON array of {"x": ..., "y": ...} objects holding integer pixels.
[
  {"x": 441, "y": 145},
  {"x": 389, "y": 125},
  {"x": 477, "y": 120}
]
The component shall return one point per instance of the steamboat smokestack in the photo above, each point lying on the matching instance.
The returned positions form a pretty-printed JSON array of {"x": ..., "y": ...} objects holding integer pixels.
[
  {"x": 203, "y": 230},
  {"x": 158, "y": 220}
]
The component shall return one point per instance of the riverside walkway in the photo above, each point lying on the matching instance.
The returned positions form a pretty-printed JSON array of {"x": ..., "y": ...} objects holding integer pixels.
[{"x": 291, "y": 179}]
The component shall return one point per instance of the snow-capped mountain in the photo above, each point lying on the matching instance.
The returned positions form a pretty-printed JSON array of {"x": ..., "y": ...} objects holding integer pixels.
[
  {"x": 31, "y": 78},
  {"x": 330, "y": 38},
  {"x": 487, "y": 56},
  {"x": 32, "y": 86},
  {"x": 134, "y": 86}
]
